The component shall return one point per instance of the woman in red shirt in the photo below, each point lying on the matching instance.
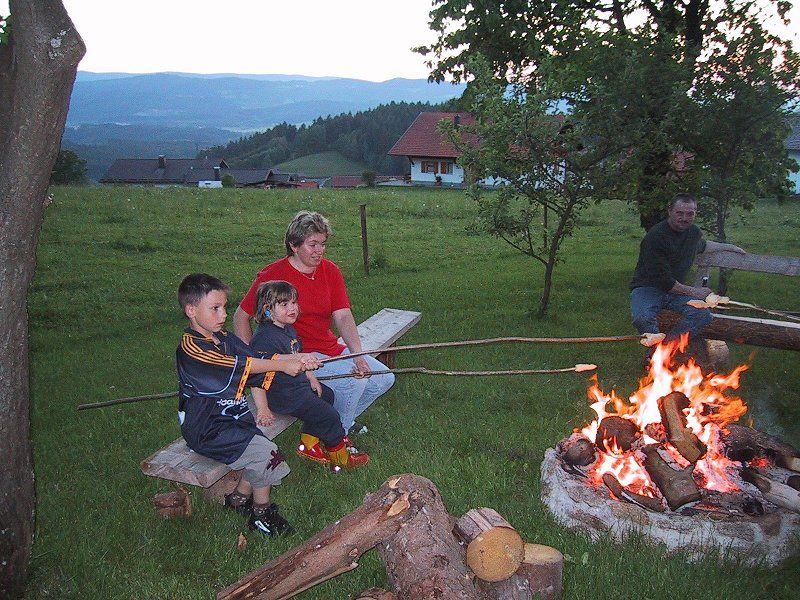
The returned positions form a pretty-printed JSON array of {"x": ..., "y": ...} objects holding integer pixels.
[{"x": 323, "y": 298}]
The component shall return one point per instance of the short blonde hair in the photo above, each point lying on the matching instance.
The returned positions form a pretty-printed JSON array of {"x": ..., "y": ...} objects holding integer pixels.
[{"x": 304, "y": 224}]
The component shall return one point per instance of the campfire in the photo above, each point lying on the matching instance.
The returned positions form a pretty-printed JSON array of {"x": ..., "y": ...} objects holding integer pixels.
[{"x": 672, "y": 463}]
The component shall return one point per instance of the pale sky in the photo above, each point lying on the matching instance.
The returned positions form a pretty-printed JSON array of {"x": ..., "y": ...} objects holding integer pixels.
[{"x": 363, "y": 39}]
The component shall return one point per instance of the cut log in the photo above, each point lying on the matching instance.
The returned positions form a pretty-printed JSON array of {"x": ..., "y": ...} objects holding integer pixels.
[
  {"x": 625, "y": 495},
  {"x": 617, "y": 430},
  {"x": 682, "y": 439},
  {"x": 788, "y": 462},
  {"x": 677, "y": 487},
  {"x": 543, "y": 568},
  {"x": 779, "y": 494},
  {"x": 424, "y": 559},
  {"x": 408, "y": 521},
  {"x": 743, "y": 443},
  {"x": 173, "y": 504},
  {"x": 581, "y": 453},
  {"x": 743, "y": 330},
  {"x": 494, "y": 548}
]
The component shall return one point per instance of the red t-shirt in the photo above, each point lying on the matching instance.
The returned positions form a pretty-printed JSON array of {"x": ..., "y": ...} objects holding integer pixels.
[{"x": 317, "y": 297}]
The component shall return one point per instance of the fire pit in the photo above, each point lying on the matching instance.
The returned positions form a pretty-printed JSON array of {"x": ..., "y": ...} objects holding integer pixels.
[{"x": 671, "y": 464}]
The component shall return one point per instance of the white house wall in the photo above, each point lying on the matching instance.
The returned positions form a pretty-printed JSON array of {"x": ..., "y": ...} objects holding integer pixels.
[
  {"x": 417, "y": 176},
  {"x": 795, "y": 177}
]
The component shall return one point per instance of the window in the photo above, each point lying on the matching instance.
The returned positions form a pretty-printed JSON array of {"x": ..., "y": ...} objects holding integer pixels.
[
  {"x": 446, "y": 168},
  {"x": 429, "y": 166}
]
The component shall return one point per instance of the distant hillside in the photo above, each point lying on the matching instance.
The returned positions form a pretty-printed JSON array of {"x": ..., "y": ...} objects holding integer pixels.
[
  {"x": 323, "y": 164},
  {"x": 235, "y": 102},
  {"x": 363, "y": 138}
]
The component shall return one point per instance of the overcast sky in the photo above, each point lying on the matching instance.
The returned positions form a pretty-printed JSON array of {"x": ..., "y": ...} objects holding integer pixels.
[{"x": 364, "y": 39}]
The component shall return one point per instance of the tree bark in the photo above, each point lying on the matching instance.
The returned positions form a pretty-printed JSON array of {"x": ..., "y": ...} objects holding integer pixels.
[
  {"x": 424, "y": 560},
  {"x": 37, "y": 71},
  {"x": 784, "y": 335},
  {"x": 677, "y": 487}
]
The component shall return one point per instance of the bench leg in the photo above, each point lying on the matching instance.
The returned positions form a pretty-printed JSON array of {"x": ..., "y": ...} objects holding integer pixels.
[
  {"x": 388, "y": 358},
  {"x": 216, "y": 492}
]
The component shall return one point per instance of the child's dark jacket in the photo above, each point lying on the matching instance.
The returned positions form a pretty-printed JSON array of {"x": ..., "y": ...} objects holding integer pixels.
[
  {"x": 284, "y": 392},
  {"x": 212, "y": 407}
]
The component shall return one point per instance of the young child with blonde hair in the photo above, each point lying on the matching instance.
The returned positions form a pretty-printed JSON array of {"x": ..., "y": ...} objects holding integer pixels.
[{"x": 322, "y": 438}]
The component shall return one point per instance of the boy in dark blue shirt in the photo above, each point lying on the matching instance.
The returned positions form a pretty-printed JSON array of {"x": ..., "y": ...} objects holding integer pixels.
[{"x": 214, "y": 368}]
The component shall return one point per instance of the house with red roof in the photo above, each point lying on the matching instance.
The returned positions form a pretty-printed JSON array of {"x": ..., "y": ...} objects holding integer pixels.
[{"x": 433, "y": 159}]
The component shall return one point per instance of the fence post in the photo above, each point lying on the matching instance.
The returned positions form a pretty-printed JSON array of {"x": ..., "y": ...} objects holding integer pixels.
[{"x": 364, "y": 246}]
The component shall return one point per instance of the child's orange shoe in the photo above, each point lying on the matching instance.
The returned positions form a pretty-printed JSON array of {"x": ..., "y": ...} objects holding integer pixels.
[
  {"x": 311, "y": 449},
  {"x": 342, "y": 459}
]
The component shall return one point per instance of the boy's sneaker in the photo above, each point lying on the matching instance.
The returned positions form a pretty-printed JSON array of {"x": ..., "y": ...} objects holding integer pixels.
[
  {"x": 315, "y": 452},
  {"x": 234, "y": 502},
  {"x": 268, "y": 521}
]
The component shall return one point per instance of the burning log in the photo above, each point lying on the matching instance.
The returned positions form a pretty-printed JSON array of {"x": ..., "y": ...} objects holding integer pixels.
[
  {"x": 778, "y": 493},
  {"x": 788, "y": 462},
  {"x": 626, "y": 495},
  {"x": 173, "y": 504},
  {"x": 539, "y": 576},
  {"x": 677, "y": 487},
  {"x": 581, "y": 453},
  {"x": 613, "y": 428},
  {"x": 682, "y": 439},
  {"x": 794, "y": 482},
  {"x": 744, "y": 443},
  {"x": 494, "y": 548}
]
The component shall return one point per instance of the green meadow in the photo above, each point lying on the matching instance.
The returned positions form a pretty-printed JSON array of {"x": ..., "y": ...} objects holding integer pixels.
[{"x": 104, "y": 324}]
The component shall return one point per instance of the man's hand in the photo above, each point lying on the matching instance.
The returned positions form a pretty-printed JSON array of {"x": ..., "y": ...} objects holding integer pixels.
[{"x": 361, "y": 367}]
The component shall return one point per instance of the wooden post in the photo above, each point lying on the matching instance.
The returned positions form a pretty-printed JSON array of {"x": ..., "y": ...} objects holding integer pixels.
[{"x": 364, "y": 245}]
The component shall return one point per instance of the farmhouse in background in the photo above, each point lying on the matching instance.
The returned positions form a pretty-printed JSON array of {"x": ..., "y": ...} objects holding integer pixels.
[
  {"x": 433, "y": 159},
  {"x": 196, "y": 172}
]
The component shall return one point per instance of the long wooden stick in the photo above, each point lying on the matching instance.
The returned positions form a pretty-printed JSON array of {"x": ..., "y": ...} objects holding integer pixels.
[
  {"x": 525, "y": 340},
  {"x": 426, "y": 371},
  {"x": 127, "y": 400}
]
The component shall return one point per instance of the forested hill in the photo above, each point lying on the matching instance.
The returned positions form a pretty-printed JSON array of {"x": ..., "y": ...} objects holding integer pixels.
[{"x": 363, "y": 137}]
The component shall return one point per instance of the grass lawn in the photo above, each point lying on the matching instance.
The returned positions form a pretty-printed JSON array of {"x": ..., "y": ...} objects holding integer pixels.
[
  {"x": 323, "y": 164},
  {"x": 104, "y": 324}
]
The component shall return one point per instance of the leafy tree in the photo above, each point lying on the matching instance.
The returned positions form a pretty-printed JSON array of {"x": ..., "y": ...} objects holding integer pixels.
[
  {"x": 228, "y": 181},
  {"x": 549, "y": 171},
  {"x": 517, "y": 36},
  {"x": 369, "y": 178},
  {"x": 70, "y": 169}
]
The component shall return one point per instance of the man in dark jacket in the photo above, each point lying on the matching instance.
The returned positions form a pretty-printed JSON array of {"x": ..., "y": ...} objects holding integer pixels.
[{"x": 665, "y": 256}]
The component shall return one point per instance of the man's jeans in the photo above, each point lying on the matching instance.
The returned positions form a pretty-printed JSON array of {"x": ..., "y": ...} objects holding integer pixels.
[{"x": 647, "y": 301}]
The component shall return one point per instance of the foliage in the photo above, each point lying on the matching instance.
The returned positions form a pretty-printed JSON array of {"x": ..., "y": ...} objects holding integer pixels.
[
  {"x": 228, "y": 181},
  {"x": 5, "y": 29},
  {"x": 70, "y": 169},
  {"x": 365, "y": 137},
  {"x": 689, "y": 39},
  {"x": 105, "y": 323},
  {"x": 369, "y": 178}
]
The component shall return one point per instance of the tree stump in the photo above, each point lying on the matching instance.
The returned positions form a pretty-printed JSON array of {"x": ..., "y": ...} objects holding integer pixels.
[
  {"x": 494, "y": 548},
  {"x": 543, "y": 568},
  {"x": 173, "y": 504}
]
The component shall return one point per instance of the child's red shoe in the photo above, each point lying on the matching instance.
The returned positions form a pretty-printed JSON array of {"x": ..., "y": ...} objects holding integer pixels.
[{"x": 312, "y": 452}]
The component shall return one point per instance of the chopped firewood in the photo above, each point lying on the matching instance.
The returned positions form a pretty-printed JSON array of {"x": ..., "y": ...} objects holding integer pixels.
[
  {"x": 682, "y": 439},
  {"x": 677, "y": 487},
  {"x": 581, "y": 453},
  {"x": 626, "y": 495},
  {"x": 539, "y": 576},
  {"x": 742, "y": 441},
  {"x": 376, "y": 593},
  {"x": 617, "y": 430},
  {"x": 788, "y": 462},
  {"x": 794, "y": 482},
  {"x": 241, "y": 543},
  {"x": 779, "y": 494},
  {"x": 173, "y": 504},
  {"x": 494, "y": 548}
]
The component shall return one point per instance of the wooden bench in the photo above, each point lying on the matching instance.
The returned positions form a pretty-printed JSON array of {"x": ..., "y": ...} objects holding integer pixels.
[
  {"x": 176, "y": 462},
  {"x": 745, "y": 330}
]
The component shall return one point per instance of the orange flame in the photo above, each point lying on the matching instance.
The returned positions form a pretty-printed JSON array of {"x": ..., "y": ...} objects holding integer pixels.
[{"x": 709, "y": 411}]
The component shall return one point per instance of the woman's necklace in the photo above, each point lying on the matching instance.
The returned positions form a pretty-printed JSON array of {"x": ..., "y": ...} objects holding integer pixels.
[{"x": 303, "y": 273}]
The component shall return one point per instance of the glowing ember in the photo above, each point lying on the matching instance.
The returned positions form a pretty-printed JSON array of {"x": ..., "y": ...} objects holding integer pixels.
[{"x": 709, "y": 411}]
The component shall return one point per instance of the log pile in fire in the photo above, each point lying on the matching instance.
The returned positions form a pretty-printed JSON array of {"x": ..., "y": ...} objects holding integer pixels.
[{"x": 673, "y": 448}]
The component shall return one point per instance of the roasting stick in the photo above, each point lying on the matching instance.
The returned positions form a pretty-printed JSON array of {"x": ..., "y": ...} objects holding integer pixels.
[
  {"x": 579, "y": 368},
  {"x": 425, "y": 371},
  {"x": 723, "y": 302},
  {"x": 526, "y": 340}
]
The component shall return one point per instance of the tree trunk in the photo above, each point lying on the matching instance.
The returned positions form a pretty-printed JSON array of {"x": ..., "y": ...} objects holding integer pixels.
[{"x": 37, "y": 71}]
